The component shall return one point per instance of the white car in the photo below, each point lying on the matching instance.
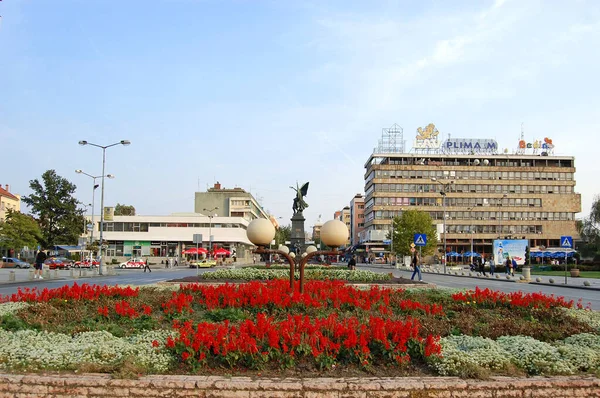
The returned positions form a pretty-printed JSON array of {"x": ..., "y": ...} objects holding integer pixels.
[{"x": 134, "y": 263}]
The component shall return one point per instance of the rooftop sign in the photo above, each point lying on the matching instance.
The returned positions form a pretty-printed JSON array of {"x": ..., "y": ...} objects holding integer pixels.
[
  {"x": 470, "y": 146},
  {"x": 427, "y": 138}
]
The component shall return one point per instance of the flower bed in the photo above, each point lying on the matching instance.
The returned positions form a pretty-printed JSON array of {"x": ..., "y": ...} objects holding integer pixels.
[
  {"x": 317, "y": 273},
  {"x": 264, "y": 327}
]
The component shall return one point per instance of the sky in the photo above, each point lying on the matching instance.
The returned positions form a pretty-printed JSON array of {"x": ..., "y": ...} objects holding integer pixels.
[{"x": 263, "y": 94}]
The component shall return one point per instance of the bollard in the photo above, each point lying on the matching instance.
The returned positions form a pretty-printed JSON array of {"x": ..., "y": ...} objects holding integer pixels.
[
  {"x": 84, "y": 273},
  {"x": 31, "y": 273},
  {"x": 55, "y": 276},
  {"x": 11, "y": 276},
  {"x": 46, "y": 274},
  {"x": 526, "y": 273},
  {"x": 71, "y": 273}
]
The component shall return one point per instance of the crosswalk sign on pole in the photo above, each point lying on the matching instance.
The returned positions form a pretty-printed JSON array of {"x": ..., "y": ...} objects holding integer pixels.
[
  {"x": 566, "y": 242},
  {"x": 420, "y": 239}
]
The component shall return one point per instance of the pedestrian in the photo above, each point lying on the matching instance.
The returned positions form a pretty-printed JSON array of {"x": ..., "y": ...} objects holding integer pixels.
[
  {"x": 492, "y": 266},
  {"x": 39, "y": 265},
  {"x": 417, "y": 266},
  {"x": 508, "y": 266},
  {"x": 514, "y": 266},
  {"x": 146, "y": 267},
  {"x": 481, "y": 264},
  {"x": 352, "y": 263}
]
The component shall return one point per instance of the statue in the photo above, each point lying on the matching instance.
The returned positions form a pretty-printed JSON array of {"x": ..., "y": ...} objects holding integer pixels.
[{"x": 299, "y": 203}]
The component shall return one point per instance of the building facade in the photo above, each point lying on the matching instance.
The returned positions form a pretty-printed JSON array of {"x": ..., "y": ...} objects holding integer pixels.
[
  {"x": 234, "y": 202},
  {"x": 357, "y": 218},
  {"x": 482, "y": 195},
  {"x": 8, "y": 201}
]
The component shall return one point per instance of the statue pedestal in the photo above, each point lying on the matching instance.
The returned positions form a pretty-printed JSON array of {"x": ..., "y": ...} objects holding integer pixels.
[{"x": 297, "y": 237}]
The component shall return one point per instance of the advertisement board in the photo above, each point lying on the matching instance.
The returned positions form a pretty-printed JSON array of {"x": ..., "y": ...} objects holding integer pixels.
[{"x": 513, "y": 248}]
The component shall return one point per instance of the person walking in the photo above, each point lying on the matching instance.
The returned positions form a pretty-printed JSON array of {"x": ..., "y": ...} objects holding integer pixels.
[
  {"x": 146, "y": 267},
  {"x": 417, "y": 266},
  {"x": 508, "y": 266},
  {"x": 352, "y": 263},
  {"x": 481, "y": 264},
  {"x": 39, "y": 264},
  {"x": 492, "y": 265}
]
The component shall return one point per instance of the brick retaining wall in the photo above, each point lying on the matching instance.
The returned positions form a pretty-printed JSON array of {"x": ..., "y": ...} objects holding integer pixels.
[{"x": 100, "y": 385}]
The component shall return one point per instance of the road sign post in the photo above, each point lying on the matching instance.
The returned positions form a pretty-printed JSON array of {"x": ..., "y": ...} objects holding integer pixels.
[
  {"x": 197, "y": 238},
  {"x": 567, "y": 243}
]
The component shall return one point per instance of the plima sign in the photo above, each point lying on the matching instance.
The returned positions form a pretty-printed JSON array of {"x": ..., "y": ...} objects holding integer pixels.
[{"x": 465, "y": 145}]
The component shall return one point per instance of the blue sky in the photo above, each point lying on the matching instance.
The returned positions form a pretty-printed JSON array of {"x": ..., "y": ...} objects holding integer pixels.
[{"x": 261, "y": 94}]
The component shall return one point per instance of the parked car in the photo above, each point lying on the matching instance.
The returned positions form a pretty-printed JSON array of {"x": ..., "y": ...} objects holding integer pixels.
[
  {"x": 133, "y": 263},
  {"x": 11, "y": 262},
  {"x": 65, "y": 260},
  {"x": 56, "y": 263}
]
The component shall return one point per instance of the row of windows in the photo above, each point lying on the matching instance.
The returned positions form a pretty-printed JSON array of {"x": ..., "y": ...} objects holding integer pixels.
[
  {"x": 459, "y": 202},
  {"x": 143, "y": 227},
  {"x": 481, "y": 229},
  {"x": 481, "y": 215},
  {"x": 475, "y": 175},
  {"x": 472, "y": 188},
  {"x": 503, "y": 162}
]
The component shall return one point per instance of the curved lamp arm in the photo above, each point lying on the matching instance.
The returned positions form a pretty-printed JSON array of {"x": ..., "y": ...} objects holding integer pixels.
[
  {"x": 305, "y": 259},
  {"x": 290, "y": 260}
]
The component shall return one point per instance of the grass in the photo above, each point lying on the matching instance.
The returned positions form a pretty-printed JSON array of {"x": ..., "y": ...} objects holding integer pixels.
[{"x": 582, "y": 274}]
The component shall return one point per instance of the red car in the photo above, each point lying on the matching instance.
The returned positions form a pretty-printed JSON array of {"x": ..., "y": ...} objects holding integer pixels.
[
  {"x": 56, "y": 263},
  {"x": 86, "y": 264}
]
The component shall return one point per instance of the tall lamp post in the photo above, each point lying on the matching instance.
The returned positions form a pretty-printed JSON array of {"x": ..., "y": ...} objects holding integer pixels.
[
  {"x": 103, "y": 147},
  {"x": 471, "y": 232},
  {"x": 443, "y": 192},
  {"x": 210, "y": 217},
  {"x": 78, "y": 171}
]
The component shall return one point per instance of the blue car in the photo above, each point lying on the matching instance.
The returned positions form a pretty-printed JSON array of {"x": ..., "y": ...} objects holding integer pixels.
[{"x": 11, "y": 262}]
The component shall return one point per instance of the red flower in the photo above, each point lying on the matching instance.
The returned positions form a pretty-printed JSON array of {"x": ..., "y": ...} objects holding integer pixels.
[{"x": 155, "y": 343}]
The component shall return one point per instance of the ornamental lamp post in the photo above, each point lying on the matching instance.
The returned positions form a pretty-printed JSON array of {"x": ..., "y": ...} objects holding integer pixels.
[{"x": 103, "y": 147}]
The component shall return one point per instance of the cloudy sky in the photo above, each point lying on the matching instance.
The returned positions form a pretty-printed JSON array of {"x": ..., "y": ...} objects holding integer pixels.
[{"x": 261, "y": 94}]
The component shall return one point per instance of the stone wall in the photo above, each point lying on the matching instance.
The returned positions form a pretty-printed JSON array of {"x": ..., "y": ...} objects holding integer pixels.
[{"x": 100, "y": 385}]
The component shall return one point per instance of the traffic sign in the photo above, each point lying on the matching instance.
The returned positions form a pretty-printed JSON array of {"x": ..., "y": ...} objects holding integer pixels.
[
  {"x": 387, "y": 241},
  {"x": 566, "y": 242},
  {"x": 420, "y": 239},
  {"x": 412, "y": 245}
]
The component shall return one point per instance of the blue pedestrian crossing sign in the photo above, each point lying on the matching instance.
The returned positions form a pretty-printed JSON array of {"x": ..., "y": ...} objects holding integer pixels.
[
  {"x": 420, "y": 239},
  {"x": 566, "y": 242}
]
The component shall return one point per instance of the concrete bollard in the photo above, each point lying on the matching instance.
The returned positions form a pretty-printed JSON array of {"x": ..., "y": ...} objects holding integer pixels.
[
  {"x": 55, "y": 276},
  {"x": 71, "y": 273},
  {"x": 46, "y": 274},
  {"x": 31, "y": 273},
  {"x": 12, "y": 276},
  {"x": 84, "y": 273}
]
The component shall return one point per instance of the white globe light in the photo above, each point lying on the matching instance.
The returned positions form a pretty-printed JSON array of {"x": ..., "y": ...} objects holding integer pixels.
[
  {"x": 486, "y": 162},
  {"x": 334, "y": 233},
  {"x": 284, "y": 249},
  {"x": 292, "y": 254},
  {"x": 311, "y": 249},
  {"x": 304, "y": 254},
  {"x": 260, "y": 231}
]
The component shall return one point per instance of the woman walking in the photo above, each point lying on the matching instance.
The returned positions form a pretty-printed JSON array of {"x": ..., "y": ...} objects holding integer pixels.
[{"x": 417, "y": 266}]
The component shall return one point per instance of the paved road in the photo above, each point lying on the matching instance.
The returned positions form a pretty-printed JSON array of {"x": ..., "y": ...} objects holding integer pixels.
[{"x": 574, "y": 290}]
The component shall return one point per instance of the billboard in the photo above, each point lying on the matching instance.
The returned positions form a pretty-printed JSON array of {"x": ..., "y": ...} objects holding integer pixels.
[
  {"x": 109, "y": 213},
  {"x": 513, "y": 248}
]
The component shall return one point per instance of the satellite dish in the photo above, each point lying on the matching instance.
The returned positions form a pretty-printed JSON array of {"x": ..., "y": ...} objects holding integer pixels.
[
  {"x": 476, "y": 162},
  {"x": 486, "y": 162}
]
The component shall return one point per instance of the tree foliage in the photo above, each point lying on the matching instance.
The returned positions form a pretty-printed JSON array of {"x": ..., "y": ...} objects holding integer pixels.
[
  {"x": 589, "y": 230},
  {"x": 406, "y": 226},
  {"x": 19, "y": 231},
  {"x": 52, "y": 202},
  {"x": 282, "y": 234},
  {"x": 124, "y": 210}
]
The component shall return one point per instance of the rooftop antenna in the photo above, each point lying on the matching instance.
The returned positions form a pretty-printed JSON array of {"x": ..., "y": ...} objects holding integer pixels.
[{"x": 522, "y": 132}]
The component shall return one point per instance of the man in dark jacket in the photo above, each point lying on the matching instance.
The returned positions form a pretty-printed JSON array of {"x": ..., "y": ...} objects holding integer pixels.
[
  {"x": 39, "y": 264},
  {"x": 352, "y": 263}
]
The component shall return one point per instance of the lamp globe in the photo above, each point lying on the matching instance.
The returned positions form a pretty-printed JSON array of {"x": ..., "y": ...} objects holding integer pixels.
[
  {"x": 311, "y": 249},
  {"x": 292, "y": 255},
  {"x": 334, "y": 233},
  {"x": 260, "y": 232},
  {"x": 284, "y": 249},
  {"x": 304, "y": 254}
]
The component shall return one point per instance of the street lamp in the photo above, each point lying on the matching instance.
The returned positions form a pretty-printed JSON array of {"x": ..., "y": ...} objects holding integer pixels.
[
  {"x": 443, "y": 193},
  {"x": 103, "y": 147},
  {"x": 78, "y": 171},
  {"x": 210, "y": 217},
  {"x": 469, "y": 209}
]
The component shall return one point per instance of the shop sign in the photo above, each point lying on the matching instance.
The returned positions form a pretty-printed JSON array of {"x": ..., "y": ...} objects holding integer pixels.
[
  {"x": 472, "y": 146},
  {"x": 546, "y": 145}
]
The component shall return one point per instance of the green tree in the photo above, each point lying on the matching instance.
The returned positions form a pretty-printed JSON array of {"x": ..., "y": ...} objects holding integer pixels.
[
  {"x": 406, "y": 226},
  {"x": 282, "y": 234},
  {"x": 18, "y": 231},
  {"x": 589, "y": 230},
  {"x": 52, "y": 202},
  {"x": 124, "y": 210}
]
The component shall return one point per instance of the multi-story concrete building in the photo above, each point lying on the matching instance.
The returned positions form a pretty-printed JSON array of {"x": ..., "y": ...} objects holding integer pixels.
[
  {"x": 357, "y": 218},
  {"x": 484, "y": 195},
  {"x": 234, "y": 202},
  {"x": 8, "y": 201}
]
